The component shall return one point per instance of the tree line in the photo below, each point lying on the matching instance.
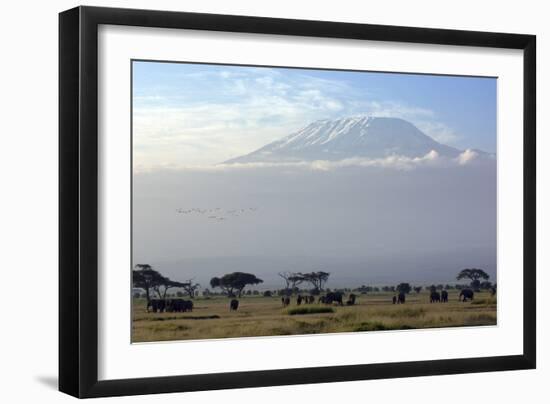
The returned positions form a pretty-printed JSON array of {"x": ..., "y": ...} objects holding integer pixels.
[
  {"x": 233, "y": 284},
  {"x": 150, "y": 280}
]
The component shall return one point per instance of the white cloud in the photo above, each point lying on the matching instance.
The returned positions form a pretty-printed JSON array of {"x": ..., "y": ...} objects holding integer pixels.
[
  {"x": 438, "y": 131},
  {"x": 467, "y": 156},
  {"x": 260, "y": 110},
  {"x": 395, "y": 109},
  {"x": 394, "y": 162}
]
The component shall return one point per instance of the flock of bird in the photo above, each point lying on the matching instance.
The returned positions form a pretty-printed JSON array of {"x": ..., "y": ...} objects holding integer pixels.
[{"x": 217, "y": 214}]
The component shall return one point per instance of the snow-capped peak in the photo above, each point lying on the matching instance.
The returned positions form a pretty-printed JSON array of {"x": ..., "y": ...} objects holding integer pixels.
[{"x": 356, "y": 136}]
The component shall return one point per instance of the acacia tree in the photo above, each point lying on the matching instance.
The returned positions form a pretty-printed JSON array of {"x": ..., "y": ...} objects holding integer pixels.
[
  {"x": 190, "y": 287},
  {"x": 292, "y": 280},
  {"x": 150, "y": 280},
  {"x": 146, "y": 278},
  {"x": 418, "y": 289},
  {"x": 317, "y": 279},
  {"x": 474, "y": 275},
  {"x": 162, "y": 287},
  {"x": 403, "y": 288},
  {"x": 475, "y": 285},
  {"x": 234, "y": 283},
  {"x": 216, "y": 282},
  {"x": 286, "y": 276},
  {"x": 486, "y": 285},
  {"x": 364, "y": 289}
]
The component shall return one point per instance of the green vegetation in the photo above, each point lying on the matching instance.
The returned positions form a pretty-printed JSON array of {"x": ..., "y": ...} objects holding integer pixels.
[{"x": 310, "y": 310}]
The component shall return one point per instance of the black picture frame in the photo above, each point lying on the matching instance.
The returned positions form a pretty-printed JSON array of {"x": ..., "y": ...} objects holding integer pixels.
[{"x": 78, "y": 200}]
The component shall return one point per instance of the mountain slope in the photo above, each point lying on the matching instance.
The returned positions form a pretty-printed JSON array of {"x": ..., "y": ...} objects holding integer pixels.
[{"x": 368, "y": 137}]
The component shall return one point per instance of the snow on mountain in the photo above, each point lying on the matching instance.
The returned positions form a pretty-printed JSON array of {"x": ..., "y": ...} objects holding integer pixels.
[{"x": 365, "y": 137}]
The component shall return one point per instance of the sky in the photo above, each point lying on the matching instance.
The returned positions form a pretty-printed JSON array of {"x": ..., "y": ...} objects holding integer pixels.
[{"x": 197, "y": 114}]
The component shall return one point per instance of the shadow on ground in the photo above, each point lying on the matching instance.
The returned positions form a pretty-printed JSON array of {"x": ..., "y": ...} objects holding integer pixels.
[{"x": 48, "y": 381}]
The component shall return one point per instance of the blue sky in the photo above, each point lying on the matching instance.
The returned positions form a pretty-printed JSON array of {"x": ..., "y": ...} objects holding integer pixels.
[{"x": 187, "y": 114}]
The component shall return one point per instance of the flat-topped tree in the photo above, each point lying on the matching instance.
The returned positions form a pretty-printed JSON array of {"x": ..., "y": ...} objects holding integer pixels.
[
  {"x": 317, "y": 279},
  {"x": 164, "y": 285},
  {"x": 474, "y": 274},
  {"x": 234, "y": 283},
  {"x": 150, "y": 280},
  {"x": 292, "y": 280},
  {"x": 146, "y": 278},
  {"x": 190, "y": 287},
  {"x": 403, "y": 288}
]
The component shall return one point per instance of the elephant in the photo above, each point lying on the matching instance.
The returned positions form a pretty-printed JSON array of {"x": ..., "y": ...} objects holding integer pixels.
[
  {"x": 401, "y": 298},
  {"x": 351, "y": 300},
  {"x": 233, "y": 305},
  {"x": 156, "y": 305},
  {"x": 444, "y": 296},
  {"x": 466, "y": 294},
  {"x": 334, "y": 297},
  {"x": 179, "y": 305},
  {"x": 299, "y": 300},
  {"x": 394, "y": 299},
  {"x": 435, "y": 297},
  {"x": 187, "y": 305},
  {"x": 174, "y": 305},
  {"x": 285, "y": 301}
]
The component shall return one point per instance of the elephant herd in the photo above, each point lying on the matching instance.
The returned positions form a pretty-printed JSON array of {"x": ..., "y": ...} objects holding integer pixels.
[
  {"x": 182, "y": 305},
  {"x": 443, "y": 297},
  {"x": 329, "y": 298},
  {"x": 436, "y": 297},
  {"x": 170, "y": 305}
]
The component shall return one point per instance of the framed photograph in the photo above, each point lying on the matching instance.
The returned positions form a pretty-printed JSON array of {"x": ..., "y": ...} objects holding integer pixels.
[{"x": 251, "y": 201}]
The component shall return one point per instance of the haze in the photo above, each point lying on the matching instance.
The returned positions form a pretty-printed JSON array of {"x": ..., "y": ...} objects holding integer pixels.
[{"x": 364, "y": 225}]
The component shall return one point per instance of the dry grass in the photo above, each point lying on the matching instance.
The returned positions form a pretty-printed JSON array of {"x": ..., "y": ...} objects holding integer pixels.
[{"x": 262, "y": 316}]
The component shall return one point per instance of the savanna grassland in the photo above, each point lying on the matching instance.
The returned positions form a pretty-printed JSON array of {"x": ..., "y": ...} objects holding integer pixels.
[{"x": 265, "y": 316}]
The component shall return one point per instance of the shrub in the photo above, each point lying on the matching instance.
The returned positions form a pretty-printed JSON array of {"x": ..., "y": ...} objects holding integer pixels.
[
  {"x": 310, "y": 310},
  {"x": 214, "y": 316}
]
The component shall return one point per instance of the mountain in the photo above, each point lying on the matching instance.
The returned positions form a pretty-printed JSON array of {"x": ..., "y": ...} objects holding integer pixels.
[{"x": 367, "y": 137}]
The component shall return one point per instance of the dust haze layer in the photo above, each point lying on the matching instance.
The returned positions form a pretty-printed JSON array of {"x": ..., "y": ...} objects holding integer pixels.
[{"x": 364, "y": 225}]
